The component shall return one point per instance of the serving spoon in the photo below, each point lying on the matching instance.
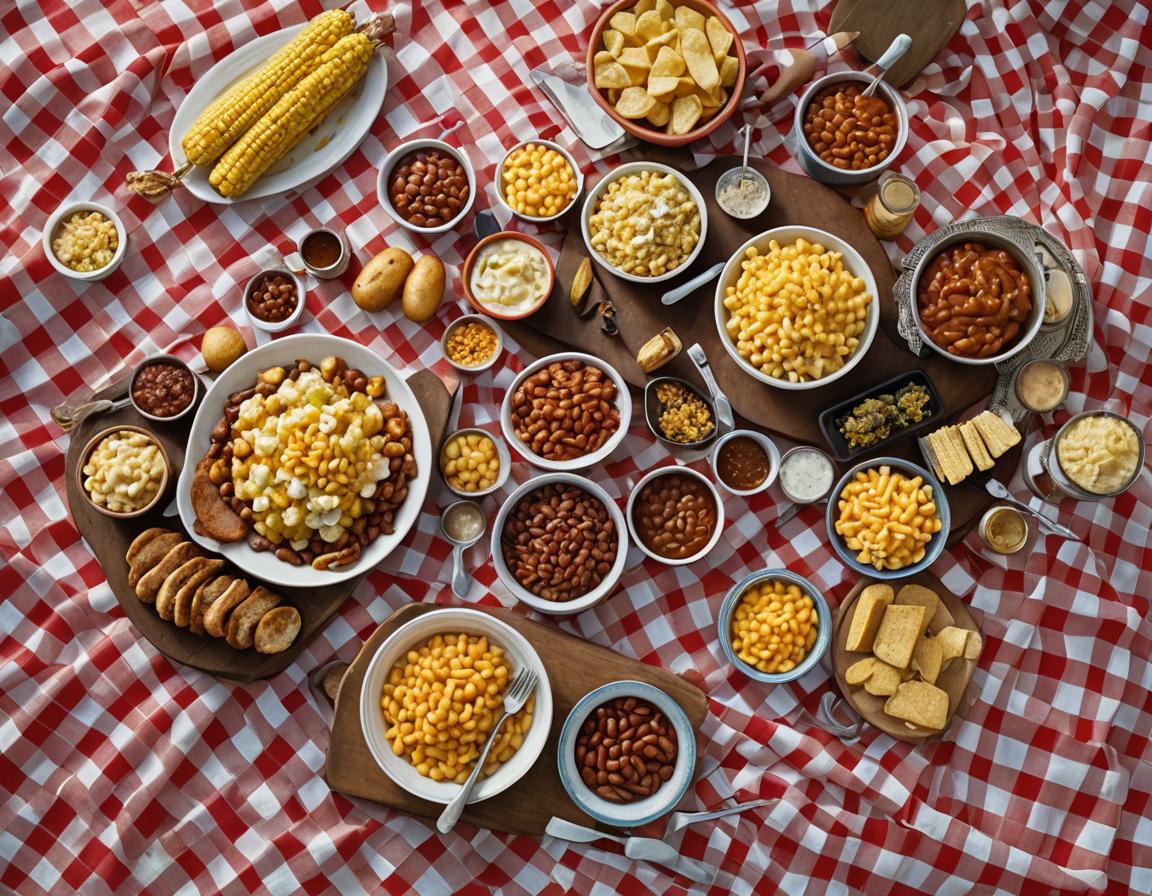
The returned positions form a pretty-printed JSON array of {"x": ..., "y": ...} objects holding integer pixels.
[{"x": 896, "y": 50}]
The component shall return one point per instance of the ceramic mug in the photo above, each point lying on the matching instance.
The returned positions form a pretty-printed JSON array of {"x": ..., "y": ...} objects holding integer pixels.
[{"x": 298, "y": 261}]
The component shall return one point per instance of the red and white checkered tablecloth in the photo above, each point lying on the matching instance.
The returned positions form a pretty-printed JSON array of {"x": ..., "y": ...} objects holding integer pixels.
[{"x": 121, "y": 772}]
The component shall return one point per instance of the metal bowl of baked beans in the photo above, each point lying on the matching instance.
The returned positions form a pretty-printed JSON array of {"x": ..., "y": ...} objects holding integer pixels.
[
  {"x": 675, "y": 515},
  {"x": 559, "y": 543},
  {"x": 163, "y": 388},
  {"x": 844, "y": 138},
  {"x": 978, "y": 297},
  {"x": 426, "y": 185},
  {"x": 566, "y": 412}
]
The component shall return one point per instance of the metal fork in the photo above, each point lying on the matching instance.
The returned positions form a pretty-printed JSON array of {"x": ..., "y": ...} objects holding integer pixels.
[
  {"x": 680, "y": 820},
  {"x": 518, "y": 693}
]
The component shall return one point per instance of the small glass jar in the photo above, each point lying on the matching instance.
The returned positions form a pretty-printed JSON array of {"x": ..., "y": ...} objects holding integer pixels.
[
  {"x": 891, "y": 208},
  {"x": 1003, "y": 530},
  {"x": 1042, "y": 386}
]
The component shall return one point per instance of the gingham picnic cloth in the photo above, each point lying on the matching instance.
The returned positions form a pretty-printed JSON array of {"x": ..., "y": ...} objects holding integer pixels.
[{"x": 122, "y": 772}]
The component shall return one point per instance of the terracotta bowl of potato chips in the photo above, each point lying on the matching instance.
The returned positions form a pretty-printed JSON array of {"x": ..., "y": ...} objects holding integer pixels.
[{"x": 668, "y": 71}]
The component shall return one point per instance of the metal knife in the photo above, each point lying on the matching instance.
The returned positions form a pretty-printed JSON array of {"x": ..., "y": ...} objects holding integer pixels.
[
  {"x": 686, "y": 289},
  {"x": 587, "y": 119},
  {"x": 719, "y": 399}
]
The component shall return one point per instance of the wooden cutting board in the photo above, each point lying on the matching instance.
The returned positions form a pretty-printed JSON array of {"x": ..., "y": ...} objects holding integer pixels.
[
  {"x": 109, "y": 540},
  {"x": 954, "y": 679},
  {"x": 930, "y": 24},
  {"x": 575, "y": 667}
]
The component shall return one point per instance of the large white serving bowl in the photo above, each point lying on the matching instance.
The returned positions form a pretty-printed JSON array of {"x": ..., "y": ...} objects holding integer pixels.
[
  {"x": 412, "y": 634},
  {"x": 623, "y": 405},
  {"x": 784, "y": 235},
  {"x": 242, "y": 375},
  {"x": 635, "y": 168}
]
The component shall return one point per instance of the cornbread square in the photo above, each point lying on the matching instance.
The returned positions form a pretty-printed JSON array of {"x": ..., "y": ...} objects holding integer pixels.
[
  {"x": 900, "y": 629},
  {"x": 870, "y": 607}
]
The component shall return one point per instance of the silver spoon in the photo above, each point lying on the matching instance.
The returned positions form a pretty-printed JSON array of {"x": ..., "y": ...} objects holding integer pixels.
[
  {"x": 463, "y": 534},
  {"x": 68, "y": 416},
  {"x": 747, "y": 129}
]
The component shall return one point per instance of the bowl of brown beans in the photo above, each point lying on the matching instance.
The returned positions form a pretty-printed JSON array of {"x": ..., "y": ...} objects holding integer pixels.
[
  {"x": 163, "y": 388},
  {"x": 426, "y": 185},
  {"x": 675, "y": 515},
  {"x": 845, "y": 138},
  {"x": 566, "y": 412},
  {"x": 559, "y": 543},
  {"x": 274, "y": 300},
  {"x": 978, "y": 297},
  {"x": 626, "y": 753}
]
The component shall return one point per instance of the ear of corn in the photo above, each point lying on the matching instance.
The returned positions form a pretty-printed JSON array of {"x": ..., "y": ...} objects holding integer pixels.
[
  {"x": 237, "y": 109},
  {"x": 297, "y": 112}
]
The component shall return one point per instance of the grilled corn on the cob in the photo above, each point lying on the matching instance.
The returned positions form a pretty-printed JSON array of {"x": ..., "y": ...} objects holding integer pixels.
[
  {"x": 296, "y": 113},
  {"x": 233, "y": 113}
]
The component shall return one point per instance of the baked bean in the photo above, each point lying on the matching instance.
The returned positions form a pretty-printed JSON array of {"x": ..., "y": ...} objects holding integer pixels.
[
  {"x": 973, "y": 299},
  {"x": 428, "y": 187},
  {"x": 559, "y": 542},
  {"x": 565, "y": 410},
  {"x": 848, "y": 130},
  {"x": 675, "y": 515},
  {"x": 163, "y": 389},
  {"x": 623, "y": 754},
  {"x": 272, "y": 297}
]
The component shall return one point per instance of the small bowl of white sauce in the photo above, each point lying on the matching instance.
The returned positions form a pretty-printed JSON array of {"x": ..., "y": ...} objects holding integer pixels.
[
  {"x": 508, "y": 276},
  {"x": 743, "y": 192},
  {"x": 806, "y": 475}
]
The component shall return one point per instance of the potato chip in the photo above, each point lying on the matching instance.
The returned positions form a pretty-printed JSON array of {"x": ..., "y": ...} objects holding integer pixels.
[
  {"x": 663, "y": 88},
  {"x": 614, "y": 42},
  {"x": 642, "y": 6},
  {"x": 687, "y": 17},
  {"x": 686, "y": 112},
  {"x": 687, "y": 87},
  {"x": 719, "y": 38},
  {"x": 649, "y": 25},
  {"x": 612, "y": 75},
  {"x": 613, "y": 95},
  {"x": 698, "y": 56},
  {"x": 635, "y": 103},
  {"x": 729, "y": 69},
  {"x": 625, "y": 23},
  {"x": 667, "y": 39},
  {"x": 666, "y": 10},
  {"x": 660, "y": 114},
  {"x": 602, "y": 57},
  {"x": 668, "y": 63},
  {"x": 635, "y": 58}
]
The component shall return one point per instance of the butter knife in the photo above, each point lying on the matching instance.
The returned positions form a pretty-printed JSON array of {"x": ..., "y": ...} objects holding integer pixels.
[
  {"x": 719, "y": 399},
  {"x": 646, "y": 849},
  {"x": 587, "y": 119}
]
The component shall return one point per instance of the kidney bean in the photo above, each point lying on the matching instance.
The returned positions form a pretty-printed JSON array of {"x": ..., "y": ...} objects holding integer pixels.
[{"x": 634, "y": 766}]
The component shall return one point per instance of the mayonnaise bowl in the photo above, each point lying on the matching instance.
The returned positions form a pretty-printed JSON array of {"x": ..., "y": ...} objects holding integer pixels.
[{"x": 508, "y": 276}]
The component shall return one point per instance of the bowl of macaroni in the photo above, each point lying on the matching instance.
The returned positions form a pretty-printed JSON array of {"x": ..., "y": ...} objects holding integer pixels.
[
  {"x": 1096, "y": 455},
  {"x": 888, "y": 518},
  {"x": 644, "y": 222},
  {"x": 85, "y": 241},
  {"x": 432, "y": 693},
  {"x": 796, "y": 307},
  {"x": 508, "y": 275},
  {"x": 125, "y": 471}
]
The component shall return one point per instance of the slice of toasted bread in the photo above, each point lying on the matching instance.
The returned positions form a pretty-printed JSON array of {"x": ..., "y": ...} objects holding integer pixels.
[
  {"x": 151, "y": 553},
  {"x": 927, "y": 598},
  {"x": 182, "y": 605},
  {"x": 900, "y": 629},
  {"x": 204, "y": 597},
  {"x": 927, "y": 659},
  {"x": 244, "y": 619},
  {"x": 216, "y": 616},
  {"x": 141, "y": 540},
  {"x": 152, "y": 581},
  {"x": 277, "y": 630},
  {"x": 183, "y": 574},
  {"x": 216, "y": 518},
  {"x": 921, "y": 704}
]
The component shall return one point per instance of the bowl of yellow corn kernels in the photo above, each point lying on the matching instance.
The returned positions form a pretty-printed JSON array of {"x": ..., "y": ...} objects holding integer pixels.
[
  {"x": 432, "y": 693},
  {"x": 775, "y": 626},
  {"x": 85, "y": 240},
  {"x": 538, "y": 180}
]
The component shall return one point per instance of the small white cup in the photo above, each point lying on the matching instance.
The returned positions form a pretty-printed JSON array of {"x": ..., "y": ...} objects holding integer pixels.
[{"x": 296, "y": 260}]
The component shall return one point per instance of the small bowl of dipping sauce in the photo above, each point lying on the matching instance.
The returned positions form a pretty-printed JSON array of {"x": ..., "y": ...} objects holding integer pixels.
[
  {"x": 1003, "y": 530},
  {"x": 744, "y": 195},
  {"x": 508, "y": 276},
  {"x": 745, "y": 462},
  {"x": 806, "y": 475},
  {"x": 1042, "y": 386}
]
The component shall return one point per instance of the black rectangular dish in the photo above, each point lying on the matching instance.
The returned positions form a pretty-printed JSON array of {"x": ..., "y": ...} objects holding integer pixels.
[{"x": 830, "y": 418}]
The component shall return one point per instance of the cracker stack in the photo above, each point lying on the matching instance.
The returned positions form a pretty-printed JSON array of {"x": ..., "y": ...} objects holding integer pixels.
[{"x": 955, "y": 451}]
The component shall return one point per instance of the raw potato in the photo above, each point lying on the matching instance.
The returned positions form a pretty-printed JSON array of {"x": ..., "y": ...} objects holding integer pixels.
[
  {"x": 382, "y": 279},
  {"x": 221, "y": 346},
  {"x": 424, "y": 289}
]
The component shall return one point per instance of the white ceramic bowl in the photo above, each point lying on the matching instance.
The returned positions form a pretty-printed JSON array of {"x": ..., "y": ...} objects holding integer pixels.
[
  {"x": 634, "y": 168},
  {"x": 830, "y": 174},
  {"x": 623, "y": 405},
  {"x": 242, "y": 375},
  {"x": 68, "y": 209},
  {"x": 664, "y": 471},
  {"x": 579, "y": 175},
  {"x": 760, "y": 439},
  {"x": 197, "y": 387},
  {"x": 784, "y": 235},
  {"x": 597, "y": 594},
  {"x": 640, "y": 811},
  {"x": 501, "y": 452},
  {"x": 396, "y": 155},
  {"x": 480, "y": 319},
  {"x": 292, "y": 319},
  {"x": 520, "y": 653}
]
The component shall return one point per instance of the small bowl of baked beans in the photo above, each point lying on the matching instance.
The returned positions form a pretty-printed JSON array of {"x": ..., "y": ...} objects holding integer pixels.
[
  {"x": 125, "y": 471},
  {"x": 274, "y": 300},
  {"x": 538, "y": 180},
  {"x": 559, "y": 543},
  {"x": 426, "y": 185},
  {"x": 675, "y": 515},
  {"x": 845, "y": 138},
  {"x": 163, "y": 388},
  {"x": 978, "y": 297},
  {"x": 472, "y": 343},
  {"x": 566, "y": 412},
  {"x": 85, "y": 241},
  {"x": 627, "y": 753}
]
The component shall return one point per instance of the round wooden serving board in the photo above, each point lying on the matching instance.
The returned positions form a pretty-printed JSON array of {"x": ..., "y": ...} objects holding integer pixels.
[
  {"x": 109, "y": 540},
  {"x": 954, "y": 679}
]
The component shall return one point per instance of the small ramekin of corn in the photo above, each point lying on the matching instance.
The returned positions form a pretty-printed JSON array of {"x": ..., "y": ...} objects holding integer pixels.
[
  {"x": 85, "y": 240},
  {"x": 474, "y": 463},
  {"x": 538, "y": 180}
]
